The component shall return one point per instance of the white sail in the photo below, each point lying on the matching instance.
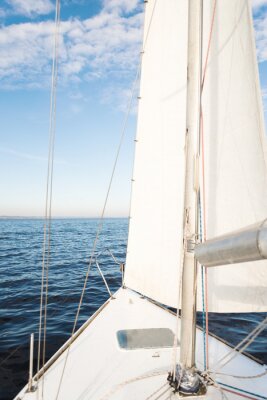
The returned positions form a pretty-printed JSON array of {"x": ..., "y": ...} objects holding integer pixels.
[
  {"x": 234, "y": 154},
  {"x": 234, "y": 151},
  {"x": 154, "y": 244}
]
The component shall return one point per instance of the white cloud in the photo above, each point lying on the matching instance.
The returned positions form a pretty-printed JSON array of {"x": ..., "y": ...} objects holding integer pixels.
[
  {"x": 259, "y": 3},
  {"x": 2, "y": 12},
  {"x": 31, "y": 7},
  {"x": 106, "y": 44},
  {"x": 101, "y": 47},
  {"x": 120, "y": 5},
  {"x": 260, "y": 24}
]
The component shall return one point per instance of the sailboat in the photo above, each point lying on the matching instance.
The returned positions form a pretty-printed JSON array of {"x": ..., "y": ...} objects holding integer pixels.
[{"x": 197, "y": 232}]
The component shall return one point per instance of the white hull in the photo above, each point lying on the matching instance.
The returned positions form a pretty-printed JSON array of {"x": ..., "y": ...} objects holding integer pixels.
[{"x": 97, "y": 368}]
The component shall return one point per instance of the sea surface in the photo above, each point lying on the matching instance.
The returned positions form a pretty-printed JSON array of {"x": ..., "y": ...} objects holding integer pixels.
[{"x": 21, "y": 242}]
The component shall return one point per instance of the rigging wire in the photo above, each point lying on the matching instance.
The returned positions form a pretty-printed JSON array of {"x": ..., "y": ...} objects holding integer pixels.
[
  {"x": 156, "y": 391},
  {"x": 100, "y": 225},
  {"x": 48, "y": 201},
  {"x": 241, "y": 376},
  {"x": 243, "y": 393},
  {"x": 99, "y": 228},
  {"x": 241, "y": 347},
  {"x": 47, "y": 226},
  {"x": 203, "y": 293},
  {"x": 104, "y": 279},
  {"x": 205, "y": 290},
  {"x": 12, "y": 352}
]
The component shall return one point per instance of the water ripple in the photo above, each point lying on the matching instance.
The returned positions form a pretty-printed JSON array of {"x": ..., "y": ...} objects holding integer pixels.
[{"x": 72, "y": 240}]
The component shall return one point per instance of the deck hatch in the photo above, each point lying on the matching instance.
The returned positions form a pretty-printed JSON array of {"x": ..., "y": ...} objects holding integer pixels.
[{"x": 131, "y": 339}]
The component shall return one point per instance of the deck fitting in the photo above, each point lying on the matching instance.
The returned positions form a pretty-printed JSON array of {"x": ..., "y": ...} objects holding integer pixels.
[{"x": 187, "y": 382}]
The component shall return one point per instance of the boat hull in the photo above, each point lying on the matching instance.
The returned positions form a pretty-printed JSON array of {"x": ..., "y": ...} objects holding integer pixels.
[{"x": 98, "y": 367}]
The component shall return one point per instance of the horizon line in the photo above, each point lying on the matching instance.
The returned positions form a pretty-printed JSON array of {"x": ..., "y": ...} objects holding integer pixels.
[{"x": 59, "y": 217}]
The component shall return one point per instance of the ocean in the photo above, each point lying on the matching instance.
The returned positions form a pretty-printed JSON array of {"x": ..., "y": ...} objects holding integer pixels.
[{"x": 21, "y": 243}]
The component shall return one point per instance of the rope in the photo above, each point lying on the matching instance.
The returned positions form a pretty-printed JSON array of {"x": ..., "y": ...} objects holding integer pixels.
[
  {"x": 132, "y": 380},
  {"x": 113, "y": 257},
  {"x": 238, "y": 349},
  {"x": 204, "y": 271},
  {"x": 243, "y": 393},
  {"x": 150, "y": 23},
  {"x": 231, "y": 355},
  {"x": 203, "y": 290},
  {"x": 48, "y": 201},
  {"x": 220, "y": 390},
  {"x": 104, "y": 279},
  {"x": 240, "y": 376},
  {"x": 209, "y": 43},
  {"x": 206, "y": 358},
  {"x": 10, "y": 354},
  {"x": 161, "y": 394},
  {"x": 156, "y": 391}
]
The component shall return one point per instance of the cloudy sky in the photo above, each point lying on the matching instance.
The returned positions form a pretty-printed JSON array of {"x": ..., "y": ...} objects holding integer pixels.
[{"x": 99, "y": 50}]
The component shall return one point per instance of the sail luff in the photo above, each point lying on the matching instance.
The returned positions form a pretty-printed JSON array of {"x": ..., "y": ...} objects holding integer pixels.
[{"x": 156, "y": 223}]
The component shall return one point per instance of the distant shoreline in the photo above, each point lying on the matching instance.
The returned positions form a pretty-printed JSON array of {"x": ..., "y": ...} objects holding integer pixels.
[{"x": 56, "y": 217}]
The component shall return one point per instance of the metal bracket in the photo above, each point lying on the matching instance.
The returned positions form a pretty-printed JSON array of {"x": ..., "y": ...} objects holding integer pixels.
[{"x": 187, "y": 382}]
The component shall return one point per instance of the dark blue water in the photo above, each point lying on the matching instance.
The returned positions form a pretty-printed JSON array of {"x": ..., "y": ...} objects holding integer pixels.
[{"x": 20, "y": 277}]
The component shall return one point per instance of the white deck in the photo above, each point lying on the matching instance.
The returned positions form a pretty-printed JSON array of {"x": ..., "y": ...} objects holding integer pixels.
[{"x": 97, "y": 368}]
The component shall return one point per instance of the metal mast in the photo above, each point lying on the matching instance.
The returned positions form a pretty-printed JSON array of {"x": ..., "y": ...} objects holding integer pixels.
[{"x": 194, "y": 73}]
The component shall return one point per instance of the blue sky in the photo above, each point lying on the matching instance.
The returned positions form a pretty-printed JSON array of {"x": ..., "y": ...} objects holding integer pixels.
[{"x": 98, "y": 59}]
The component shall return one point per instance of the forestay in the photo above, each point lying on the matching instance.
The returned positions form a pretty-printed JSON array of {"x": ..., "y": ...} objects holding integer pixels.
[{"x": 235, "y": 192}]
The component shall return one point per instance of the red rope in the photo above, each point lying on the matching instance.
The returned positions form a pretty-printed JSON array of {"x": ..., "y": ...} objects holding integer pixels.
[
  {"x": 239, "y": 394},
  {"x": 209, "y": 43},
  {"x": 203, "y": 179}
]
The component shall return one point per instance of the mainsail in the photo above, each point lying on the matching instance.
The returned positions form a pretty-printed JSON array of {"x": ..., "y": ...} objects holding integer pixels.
[
  {"x": 234, "y": 193},
  {"x": 235, "y": 152}
]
